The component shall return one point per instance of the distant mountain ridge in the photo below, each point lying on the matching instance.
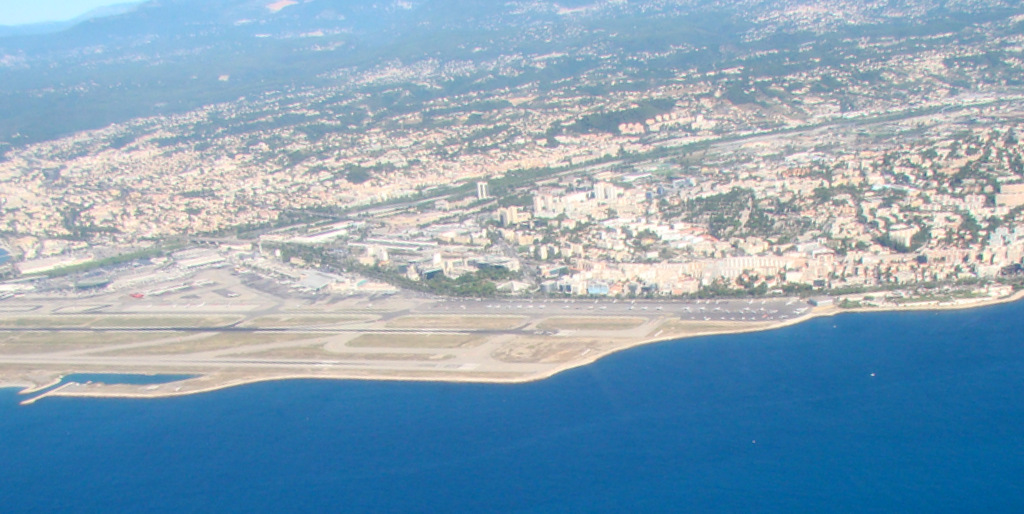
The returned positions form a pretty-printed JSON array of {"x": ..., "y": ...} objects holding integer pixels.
[
  {"x": 57, "y": 26},
  {"x": 166, "y": 56}
]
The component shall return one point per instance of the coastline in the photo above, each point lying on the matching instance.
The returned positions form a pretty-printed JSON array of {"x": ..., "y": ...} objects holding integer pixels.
[{"x": 218, "y": 381}]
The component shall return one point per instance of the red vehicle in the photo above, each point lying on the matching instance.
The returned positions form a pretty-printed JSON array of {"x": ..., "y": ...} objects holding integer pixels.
[{"x": 137, "y": 295}]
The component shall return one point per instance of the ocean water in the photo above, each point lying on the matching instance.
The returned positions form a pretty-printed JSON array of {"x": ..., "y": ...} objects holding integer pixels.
[
  {"x": 784, "y": 421},
  {"x": 112, "y": 378}
]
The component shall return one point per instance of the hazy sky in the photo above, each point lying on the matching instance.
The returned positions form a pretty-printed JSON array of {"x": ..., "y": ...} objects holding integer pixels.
[{"x": 19, "y": 12}]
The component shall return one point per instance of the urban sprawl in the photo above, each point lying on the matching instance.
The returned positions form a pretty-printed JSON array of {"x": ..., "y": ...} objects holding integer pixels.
[{"x": 900, "y": 170}]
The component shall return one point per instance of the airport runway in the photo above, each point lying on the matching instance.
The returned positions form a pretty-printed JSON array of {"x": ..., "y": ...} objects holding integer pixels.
[{"x": 769, "y": 309}]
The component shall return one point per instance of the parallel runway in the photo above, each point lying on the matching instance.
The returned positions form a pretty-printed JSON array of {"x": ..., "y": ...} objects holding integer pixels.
[{"x": 773, "y": 309}]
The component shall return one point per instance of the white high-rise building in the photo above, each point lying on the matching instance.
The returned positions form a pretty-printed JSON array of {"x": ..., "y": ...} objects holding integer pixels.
[
  {"x": 605, "y": 192},
  {"x": 481, "y": 190}
]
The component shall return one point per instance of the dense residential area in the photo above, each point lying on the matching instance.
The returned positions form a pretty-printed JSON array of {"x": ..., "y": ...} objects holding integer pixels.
[{"x": 768, "y": 162}]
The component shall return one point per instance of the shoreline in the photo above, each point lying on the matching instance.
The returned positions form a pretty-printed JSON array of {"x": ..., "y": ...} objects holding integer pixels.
[{"x": 125, "y": 391}]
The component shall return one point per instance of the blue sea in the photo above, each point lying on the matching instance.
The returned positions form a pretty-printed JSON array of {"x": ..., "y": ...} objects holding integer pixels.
[{"x": 783, "y": 421}]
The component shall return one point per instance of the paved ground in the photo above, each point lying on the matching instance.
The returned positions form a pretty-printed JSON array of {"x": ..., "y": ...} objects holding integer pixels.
[
  {"x": 706, "y": 310},
  {"x": 228, "y": 329}
]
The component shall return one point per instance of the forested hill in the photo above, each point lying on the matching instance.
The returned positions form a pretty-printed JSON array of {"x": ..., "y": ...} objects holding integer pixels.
[{"x": 171, "y": 56}]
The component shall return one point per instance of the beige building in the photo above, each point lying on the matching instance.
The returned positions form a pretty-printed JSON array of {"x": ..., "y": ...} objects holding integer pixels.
[{"x": 1011, "y": 195}]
